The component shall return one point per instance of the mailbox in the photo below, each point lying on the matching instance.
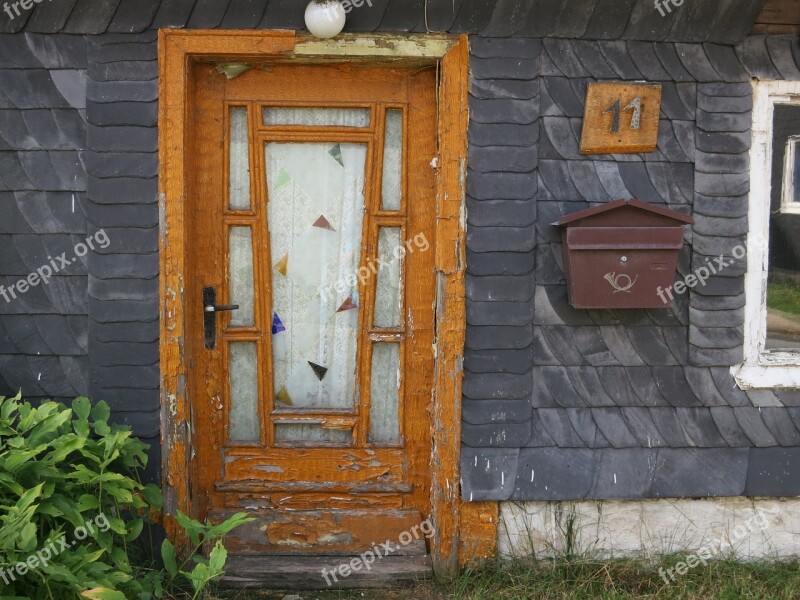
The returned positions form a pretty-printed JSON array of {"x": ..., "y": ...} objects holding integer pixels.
[{"x": 621, "y": 254}]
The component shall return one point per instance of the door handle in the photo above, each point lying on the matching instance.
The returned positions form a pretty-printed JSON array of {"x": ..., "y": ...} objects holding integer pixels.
[{"x": 210, "y": 310}]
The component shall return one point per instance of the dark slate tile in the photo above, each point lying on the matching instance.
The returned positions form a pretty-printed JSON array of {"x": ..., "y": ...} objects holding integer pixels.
[
  {"x": 717, "y": 318},
  {"x": 555, "y": 345},
  {"x": 499, "y": 361},
  {"x": 245, "y": 14},
  {"x": 566, "y": 20},
  {"x": 646, "y": 23},
  {"x": 555, "y": 182},
  {"x": 42, "y": 212},
  {"x": 773, "y": 472},
  {"x": 501, "y": 213},
  {"x": 729, "y": 427},
  {"x": 504, "y": 68},
  {"x": 789, "y": 398},
  {"x": 585, "y": 426},
  {"x": 499, "y": 288},
  {"x": 551, "y": 307},
  {"x": 725, "y": 62},
  {"x": 500, "y": 263},
  {"x": 173, "y": 13},
  {"x": 706, "y": 357},
  {"x": 122, "y": 139},
  {"x": 651, "y": 345},
  {"x": 133, "y": 16},
  {"x": 368, "y": 15},
  {"x": 624, "y": 474},
  {"x": 700, "y": 427},
  {"x": 134, "y": 114},
  {"x": 110, "y": 215},
  {"x": 102, "y": 92},
  {"x": 123, "y": 289},
  {"x": 45, "y": 335},
  {"x": 609, "y": 19},
  {"x": 500, "y": 386},
  {"x": 692, "y": 21},
  {"x": 782, "y": 428},
  {"x": 124, "y": 354},
  {"x": 557, "y": 424},
  {"x": 668, "y": 55},
  {"x": 505, "y": 435},
  {"x": 501, "y": 239},
  {"x": 50, "y": 17},
  {"x": 559, "y": 98},
  {"x": 503, "y": 159},
  {"x": 130, "y": 332},
  {"x": 146, "y": 425},
  {"x": 479, "y": 412},
  {"x": 121, "y": 311},
  {"x": 724, "y": 104},
  {"x": 644, "y": 58},
  {"x": 726, "y": 184},
  {"x": 35, "y": 51},
  {"x": 42, "y": 171},
  {"x": 549, "y": 268},
  {"x": 489, "y": 47},
  {"x": 122, "y": 164},
  {"x": 749, "y": 419},
  {"x": 208, "y": 14},
  {"x": 559, "y": 141},
  {"x": 678, "y": 101},
  {"x": 554, "y": 474},
  {"x": 118, "y": 266},
  {"x": 592, "y": 346},
  {"x": 591, "y": 58},
  {"x": 503, "y": 110},
  {"x": 91, "y": 16},
  {"x": 710, "y": 162},
  {"x": 124, "y": 71},
  {"x": 694, "y": 472},
  {"x": 130, "y": 240},
  {"x": 726, "y": 143},
  {"x": 505, "y": 338},
  {"x": 501, "y": 186},
  {"x": 780, "y": 51},
  {"x": 695, "y": 60},
  {"x": 16, "y": 24},
  {"x": 559, "y": 387},
  {"x": 644, "y": 384},
  {"x": 640, "y": 423},
  {"x": 499, "y": 313},
  {"x": 617, "y": 54},
  {"x": 734, "y": 21},
  {"x": 495, "y": 134},
  {"x": 717, "y": 302},
  {"x": 488, "y": 473},
  {"x": 755, "y": 58},
  {"x": 519, "y": 89},
  {"x": 540, "y": 437},
  {"x": 135, "y": 377},
  {"x": 703, "y": 386},
  {"x": 39, "y": 88},
  {"x": 723, "y": 122},
  {"x": 503, "y": 18},
  {"x": 729, "y": 208},
  {"x": 614, "y": 428},
  {"x": 122, "y": 190},
  {"x": 563, "y": 57},
  {"x": 764, "y": 399},
  {"x": 673, "y": 384}
]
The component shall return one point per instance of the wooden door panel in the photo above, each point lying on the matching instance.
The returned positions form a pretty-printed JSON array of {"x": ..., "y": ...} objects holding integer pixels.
[{"x": 316, "y": 494}]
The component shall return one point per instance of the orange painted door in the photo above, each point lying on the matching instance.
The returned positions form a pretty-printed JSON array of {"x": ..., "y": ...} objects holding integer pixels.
[{"x": 311, "y": 291}]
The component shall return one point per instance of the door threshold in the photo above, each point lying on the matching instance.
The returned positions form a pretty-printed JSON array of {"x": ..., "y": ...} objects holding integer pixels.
[{"x": 306, "y": 572}]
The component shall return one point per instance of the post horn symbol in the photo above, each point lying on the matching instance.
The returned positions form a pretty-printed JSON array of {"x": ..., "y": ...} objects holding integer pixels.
[{"x": 618, "y": 282}]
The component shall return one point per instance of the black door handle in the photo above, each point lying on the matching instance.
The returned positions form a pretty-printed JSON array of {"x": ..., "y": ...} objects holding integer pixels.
[{"x": 210, "y": 310}]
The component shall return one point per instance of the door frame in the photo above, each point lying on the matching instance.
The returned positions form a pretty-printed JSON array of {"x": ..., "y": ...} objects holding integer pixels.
[{"x": 177, "y": 50}]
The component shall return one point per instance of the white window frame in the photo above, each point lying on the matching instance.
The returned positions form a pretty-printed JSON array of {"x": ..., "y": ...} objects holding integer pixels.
[
  {"x": 788, "y": 204},
  {"x": 762, "y": 368}
]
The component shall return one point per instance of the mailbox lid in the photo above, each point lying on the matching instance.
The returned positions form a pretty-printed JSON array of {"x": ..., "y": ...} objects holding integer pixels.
[
  {"x": 625, "y": 212},
  {"x": 624, "y": 238}
]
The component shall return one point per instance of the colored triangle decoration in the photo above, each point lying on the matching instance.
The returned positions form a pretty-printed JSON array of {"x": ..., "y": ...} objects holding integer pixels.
[
  {"x": 283, "y": 396},
  {"x": 319, "y": 370},
  {"x": 323, "y": 223},
  {"x": 277, "y": 324},
  {"x": 283, "y": 179},
  {"x": 282, "y": 265},
  {"x": 336, "y": 153},
  {"x": 348, "y": 304}
]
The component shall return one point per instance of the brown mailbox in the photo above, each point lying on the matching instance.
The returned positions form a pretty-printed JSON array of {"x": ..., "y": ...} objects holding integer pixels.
[{"x": 620, "y": 254}]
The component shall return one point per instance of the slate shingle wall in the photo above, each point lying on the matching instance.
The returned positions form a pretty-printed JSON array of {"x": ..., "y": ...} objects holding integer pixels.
[
  {"x": 42, "y": 214},
  {"x": 572, "y": 404}
]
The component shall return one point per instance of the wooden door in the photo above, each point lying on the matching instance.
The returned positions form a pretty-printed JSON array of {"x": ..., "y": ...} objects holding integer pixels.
[{"x": 313, "y": 210}]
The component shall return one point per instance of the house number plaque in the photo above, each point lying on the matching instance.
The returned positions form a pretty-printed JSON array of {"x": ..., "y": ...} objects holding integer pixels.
[{"x": 620, "y": 118}]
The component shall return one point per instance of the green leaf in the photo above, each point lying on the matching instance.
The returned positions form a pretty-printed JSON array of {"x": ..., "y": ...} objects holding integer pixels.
[
  {"x": 169, "y": 558},
  {"x": 193, "y": 528},
  {"x": 101, "y": 593},
  {"x": 217, "y": 559},
  {"x": 82, "y": 407},
  {"x": 153, "y": 497},
  {"x": 134, "y": 529},
  {"x": 229, "y": 525},
  {"x": 101, "y": 412}
]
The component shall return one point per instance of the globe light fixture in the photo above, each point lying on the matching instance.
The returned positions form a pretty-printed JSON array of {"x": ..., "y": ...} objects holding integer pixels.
[{"x": 325, "y": 18}]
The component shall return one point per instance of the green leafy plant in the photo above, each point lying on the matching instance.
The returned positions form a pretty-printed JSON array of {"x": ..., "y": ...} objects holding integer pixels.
[{"x": 72, "y": 508}]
